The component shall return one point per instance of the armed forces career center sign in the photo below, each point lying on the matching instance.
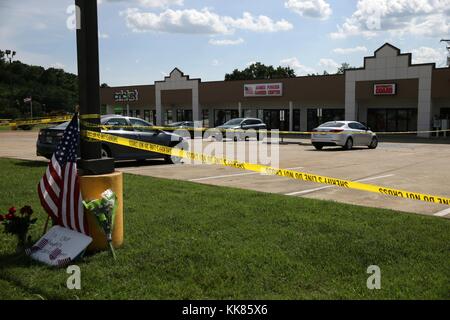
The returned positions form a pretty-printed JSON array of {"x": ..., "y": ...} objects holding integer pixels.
[{"x": 263, "y": 90}]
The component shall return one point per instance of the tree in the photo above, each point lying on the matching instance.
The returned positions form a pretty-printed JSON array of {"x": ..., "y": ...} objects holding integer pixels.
[
  {"x": 54, "y": 88},
  {"x": 259, "y": 71},
  {"x": 344, "y": 66},
  {"x": 104, "y": 85}
]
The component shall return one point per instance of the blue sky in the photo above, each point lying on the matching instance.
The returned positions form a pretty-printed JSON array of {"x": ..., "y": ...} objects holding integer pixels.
[{"x": 142, "y": 40}]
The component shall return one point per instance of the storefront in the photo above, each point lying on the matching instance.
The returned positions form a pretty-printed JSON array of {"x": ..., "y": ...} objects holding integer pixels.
[{"x": 388, "y": 93}]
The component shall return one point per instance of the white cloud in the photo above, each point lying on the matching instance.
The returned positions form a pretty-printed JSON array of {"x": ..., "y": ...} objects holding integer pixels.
[
  {"x": 310, "y": 8},
  {"x": 161, "y": 3},
  {"x": 329, "y": 65},
  {"x": 150, "y": 3},
  {"x": 350, "y": 50},
  {"x": 226, "y": 42},
  {"x": 429, "y": 55},
  {"x": 399, "y": 17},
  {"x": 215, "y": 63},
  {"x": 295, "y": 64},
  {"x": 103, "y": 35},
  {"x": 199, "y": 22}
]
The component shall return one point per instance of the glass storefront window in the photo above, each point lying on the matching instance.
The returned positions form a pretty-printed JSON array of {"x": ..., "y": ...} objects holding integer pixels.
[
  {"x": 147, "y": 115},
  {"x": 169, "y": 117},
  {"x": 250, "y": 113},
  {"x": 392, "y": 120},
  {"x": 184, "y": 115},
  {"x": 224, "y": 115},
  {"x": 445, "y": 113},
  {"x": 317, "y": 116},
  {"x": 205, "y": 118},
  {"x": 296, "y": 124}
]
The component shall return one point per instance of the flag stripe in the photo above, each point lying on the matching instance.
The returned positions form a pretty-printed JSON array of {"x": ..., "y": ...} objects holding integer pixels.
[
  {"x": 49, "y": 190},
  {"x": 64, "y": 214},
  {"x": 47, "y": 199}
]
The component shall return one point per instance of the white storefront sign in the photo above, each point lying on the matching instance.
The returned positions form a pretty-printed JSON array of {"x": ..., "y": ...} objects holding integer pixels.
[
  {"x": 126, "y": 96},
  {"x": 263, "y": 90}
]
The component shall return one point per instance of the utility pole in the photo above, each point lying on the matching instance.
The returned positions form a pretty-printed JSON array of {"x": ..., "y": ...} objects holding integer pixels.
[
  {"x": 89, "y": 87},
  {"x": 448, "y": 49}
]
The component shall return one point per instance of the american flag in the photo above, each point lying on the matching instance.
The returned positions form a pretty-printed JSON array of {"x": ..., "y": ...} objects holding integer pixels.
[{"x": 59, "y": 188}]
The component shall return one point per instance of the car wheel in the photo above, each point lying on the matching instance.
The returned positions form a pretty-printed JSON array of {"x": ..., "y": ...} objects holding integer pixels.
[
  {"x": 349, "y": 144},
  {"x": 105, "y": 152},
  {"x": 318, "y": 146},
  {"x": 374, "y": 143},
  {"x": 235, "y": 139},
  {"x": 173, "y": 160}
]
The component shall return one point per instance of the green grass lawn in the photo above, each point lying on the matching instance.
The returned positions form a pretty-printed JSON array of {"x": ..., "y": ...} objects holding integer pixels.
[{"x": 192, "y": 241}]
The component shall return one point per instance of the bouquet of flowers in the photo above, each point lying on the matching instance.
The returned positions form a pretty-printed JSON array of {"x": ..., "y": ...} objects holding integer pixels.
[
  {"x": 18, "y": 225},
  {"x": 104, "y": 209}
]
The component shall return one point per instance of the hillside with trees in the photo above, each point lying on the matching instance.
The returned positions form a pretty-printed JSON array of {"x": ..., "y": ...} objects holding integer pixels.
[{"x": 52, "y": 90}]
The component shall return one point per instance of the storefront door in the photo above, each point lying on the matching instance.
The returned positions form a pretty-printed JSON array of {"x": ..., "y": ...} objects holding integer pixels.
[
  {"x": 276, "y": 119},
  {"x": 184, "y": 115}
]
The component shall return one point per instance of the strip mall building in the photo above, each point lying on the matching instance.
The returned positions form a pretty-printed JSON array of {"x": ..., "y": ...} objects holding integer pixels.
[{"x": 389, "y": 93}]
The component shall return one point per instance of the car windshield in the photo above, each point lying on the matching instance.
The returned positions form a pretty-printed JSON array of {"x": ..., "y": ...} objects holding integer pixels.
[
  {"x": 233, "y": 122},
  {"x": 332, "y": 124}
]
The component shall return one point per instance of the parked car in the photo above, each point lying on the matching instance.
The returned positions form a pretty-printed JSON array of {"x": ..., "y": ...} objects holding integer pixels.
[
  {"x": 127, "y": 127},
  {"x": 241, "y": 125},
  {"x": 186, "y": 125},
  {"x": 182, "y": 124},
  {"x": 346, "y": 134}
]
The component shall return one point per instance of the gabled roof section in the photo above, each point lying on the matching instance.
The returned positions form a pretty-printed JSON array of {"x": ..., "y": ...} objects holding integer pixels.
[
  {"x": 388, "y": 50},
  {"x": 177, "y": 73}
]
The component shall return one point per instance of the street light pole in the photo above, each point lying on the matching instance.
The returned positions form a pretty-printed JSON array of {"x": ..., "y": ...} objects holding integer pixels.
[{"x": 89, "y": 87}]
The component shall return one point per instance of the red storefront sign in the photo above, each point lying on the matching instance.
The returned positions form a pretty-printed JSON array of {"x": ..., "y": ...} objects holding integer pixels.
[
  {"x": 384, "y": 89},
  {"x": 263, "y": 90}
]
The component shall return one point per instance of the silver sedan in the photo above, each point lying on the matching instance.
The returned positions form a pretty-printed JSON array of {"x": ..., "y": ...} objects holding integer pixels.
[{"x": 346, "y": 134}]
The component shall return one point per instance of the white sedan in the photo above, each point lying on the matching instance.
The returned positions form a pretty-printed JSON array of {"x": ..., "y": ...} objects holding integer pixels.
[{"x": 346, "y": 134}]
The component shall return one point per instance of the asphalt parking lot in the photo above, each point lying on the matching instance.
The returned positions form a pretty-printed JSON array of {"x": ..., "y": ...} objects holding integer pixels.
[{"x": 416, "y": 167}]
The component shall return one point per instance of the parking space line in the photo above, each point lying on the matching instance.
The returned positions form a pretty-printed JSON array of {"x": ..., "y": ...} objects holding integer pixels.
[
  {"x": 233, "y": 175},
  {"x": 442, "y": 213},
  {"x": 327, "y": 187}
]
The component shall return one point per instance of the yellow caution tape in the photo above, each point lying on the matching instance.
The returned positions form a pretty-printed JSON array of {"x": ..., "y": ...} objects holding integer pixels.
[
  {"x": 89, "y": 116},
  {"x": 264, "y": 169},
  {"x": 57, "y": 119}
]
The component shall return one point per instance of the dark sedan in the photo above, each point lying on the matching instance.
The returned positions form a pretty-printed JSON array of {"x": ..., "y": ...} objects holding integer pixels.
[{"x": 126, "y": 127}]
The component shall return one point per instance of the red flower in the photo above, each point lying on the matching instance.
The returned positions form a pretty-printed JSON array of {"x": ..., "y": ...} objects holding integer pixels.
[
  {"x": 9, "y": 216},
  {"x": 26, "y": 210},
  {"x": 2, "y": 218},
  {"x": 12, "y": 210}
]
